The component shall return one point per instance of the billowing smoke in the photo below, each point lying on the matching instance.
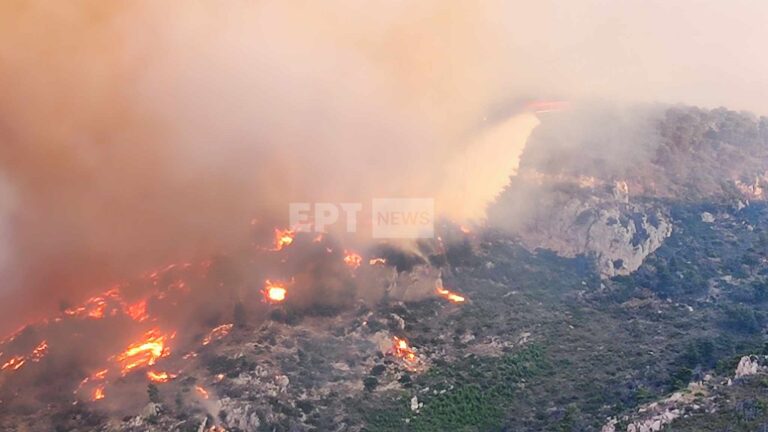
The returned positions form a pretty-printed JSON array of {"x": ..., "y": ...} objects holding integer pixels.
[{"x": 138, "y": 133}]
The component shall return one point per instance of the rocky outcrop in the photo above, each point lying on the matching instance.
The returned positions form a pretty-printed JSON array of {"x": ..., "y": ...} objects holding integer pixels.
[
  {"x": 586, "y": 189},
  {"x": 698, "y": 397},
  {"x": 656, "y": 416},
  {"x": 600, "y": 222},
  {"x": 748, "y": 365}
]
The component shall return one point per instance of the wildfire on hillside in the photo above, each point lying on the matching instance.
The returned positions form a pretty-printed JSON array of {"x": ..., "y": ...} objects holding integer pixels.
[
  {"x": 151, "y": 328},
  {"x": 448, "y": 295},
  {"x": 146, "y": 352},
  {"x": 217, "y": 333},
  {"x": 16, "y": 362}
]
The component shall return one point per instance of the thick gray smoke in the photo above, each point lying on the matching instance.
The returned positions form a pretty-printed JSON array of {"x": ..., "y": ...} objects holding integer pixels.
[{"x": 137, "y": 133}]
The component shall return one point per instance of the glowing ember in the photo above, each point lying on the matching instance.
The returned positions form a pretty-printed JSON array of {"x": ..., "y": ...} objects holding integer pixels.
[
  {"x": 217, "y": 333},
  {"x": 283, "y": 238},
  {"x": 465, "y": 230},
  {"x": 274, "y": 292},
  {"x": 144, "y": 353},
  {"x": 401, "y": 349},
  {"x": 98, "y": 394},
  {"x": 377, "y": 261},
  {"x": 352, "y": 259},
  {"x": 39, "y": 351},
  {"x": 201, "y": 391},
  {"x": 451, "y": 297},
  {"x": 138, "y": 311},
  {"x": 95, "y": 307},
  {"x": 160, "y": 377},
  {"x": 14, "y": 363}
]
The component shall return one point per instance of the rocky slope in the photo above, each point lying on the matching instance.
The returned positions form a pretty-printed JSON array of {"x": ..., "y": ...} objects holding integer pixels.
[
  {"x": 655, "y": 295},
  {"x": 591, "y": 182}
]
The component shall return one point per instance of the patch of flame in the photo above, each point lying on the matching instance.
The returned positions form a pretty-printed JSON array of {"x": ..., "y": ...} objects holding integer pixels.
[
  {"x": 98, "y": 393},
  {"x": 138, "y": 311},
  {"x": 160, "y": 377},
  {"x": 448, "y": 295},
  {"x": 145, "y": 352},
  {"x": 401, "y": 349},
  {"x": 202, "y": 392},
  {"x": 274, "y": 292},
  {"x": 377, "y": 261},
  {"x": 217, "y": 333},
  {"x": 352, "y": 259},
  {"x": 15, "y": 363},
  {"x": 283, "y": 238}
]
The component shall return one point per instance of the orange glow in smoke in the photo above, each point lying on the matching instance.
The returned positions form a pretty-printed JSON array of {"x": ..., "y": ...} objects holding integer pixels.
[
  {"x": 274, "y": 292},
  {"x": 377, "y": 261},
  {"x": 283, "y": 238},
  {"x": 352, "y": 259},
  {"x": 14, "y": 363},
  {"x": 138, "y": 311},
  {"x": 542, "y": 106}
]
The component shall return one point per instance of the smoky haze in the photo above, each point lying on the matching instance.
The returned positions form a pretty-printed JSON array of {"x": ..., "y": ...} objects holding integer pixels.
[{"x": 134, "y": 134}]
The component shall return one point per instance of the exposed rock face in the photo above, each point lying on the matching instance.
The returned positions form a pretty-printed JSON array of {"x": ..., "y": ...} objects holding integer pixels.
[
  {"x": 656, "y": 416},
  {"x": 748, "y": 365},
  {"x": 597, "y": 221},
  {"x": 707, "y": 217},
  {"x": 586, "y": 176}
]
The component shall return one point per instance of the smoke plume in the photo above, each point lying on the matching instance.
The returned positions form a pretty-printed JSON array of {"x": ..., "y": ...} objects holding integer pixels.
[{"x": 137, "y": 133}]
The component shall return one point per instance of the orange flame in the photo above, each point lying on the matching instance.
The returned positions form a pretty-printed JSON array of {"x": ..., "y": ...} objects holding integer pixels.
[
  {"x": 217, "y": 333},
  {"x": 138, "y": 311},
  {"x": 451, "y": 297},
  {"x": 283, "y": 238},
  {"x": 401, "y": 349},
  {"x": 98, "y": 393},
  {"x": 375, "y": 261},
  {"x": 274, "y": 292},
  {"x": 144, "y": 353},
  {"x": 16, "y": 362},
  {"x": 201, "y": 391},
  {"x": 160, "y": 377},
  {"x": 352, "y": 259}
]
